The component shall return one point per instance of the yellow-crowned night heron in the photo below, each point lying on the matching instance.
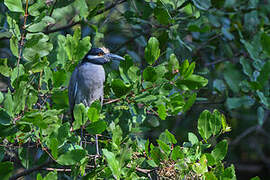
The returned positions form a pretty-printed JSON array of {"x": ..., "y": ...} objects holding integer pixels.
[{"x": 86, "y": 82}]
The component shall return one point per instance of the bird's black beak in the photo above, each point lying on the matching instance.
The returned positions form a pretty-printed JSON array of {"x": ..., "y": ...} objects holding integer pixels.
[{"x": 114, "y": 57}]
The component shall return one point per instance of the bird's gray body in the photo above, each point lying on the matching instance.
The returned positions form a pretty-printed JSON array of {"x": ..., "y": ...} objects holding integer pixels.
[{"x": 86, "y": 84}]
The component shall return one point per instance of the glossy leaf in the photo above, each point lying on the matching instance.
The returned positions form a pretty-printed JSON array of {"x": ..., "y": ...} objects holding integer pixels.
[
  {"x": 113, "y": 163},
  {"x": 14, "y": 5},
  {"x": 150, "y": 74},
  {"x": 162, "y": 111},
  {"x": 96, "y": 127},
  {"x": 192, "y": 138},
  {"x": 220, "y": 150},
  {"x": 152, "y": 50},
  {"x": 204, "y": 125},
  {"x": 72, "y": 157},
  {"x": 120, "y": 88}
]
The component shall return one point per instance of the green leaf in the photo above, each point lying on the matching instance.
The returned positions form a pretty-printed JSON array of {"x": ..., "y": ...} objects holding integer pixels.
[
  {"x": 38, "y": 47},
  {"x": 201, "y": 167},
  {"x": 225, "y": 127},
  {"x": 189, "y": 70},
  {"x": 220, "y": 150},
  {"x": 20, "y": 97},
  {"x": 5, "y": 119},
  {"x": 229, "y": 173},
  {"x": 53, "y": 145},
  {"x": 35, "y": 8},
  {"x": 265, "y": 41},
  {"x": 202, "y": 4},
  {"x": 237, "y": 102},
  {"x": 145, "y": 98},
  {"x": 150, "y": 74},
  {"x": 192, "y": 138},
  {"x": 252, "y": 50},
  {"x": 117, "y": 136},
  {"x": 190, "y": 102},
  {"x": 14, "y": 26},
  {"x": 164, "y": 147},
  {"x": 133, "y": 73},
  {"x": 76, "y": 48},
  {"x": 157, "y": 155},
  {"x": 162, "y": 111},
  {"x": 246, "y": 67},
  {"x": 96, "y": 127},
  {"x": 215, "y": 122},
  {"x": 210, "y": 159},
  {"x": 14, "y": 46},
  {"x": 193, "y": 82},
  {"x": 59, "y": 77},
  {"x": 152, "y": 50},
  {"x": 114, "y": 165},
  {"x": 14, "y": 5},
  {"x": 6, "y": 169},
  {"x": 260, "y": 115},
  {"x": 264, "y": 73},
  {"x": 82, "y": 8},
  {"x": 170, "y": 137},
  {"x": 232, "y": 77},
  {"x": 51, "y": 176},
  {"x": 120, "y": 88},
  {"x": 177, "y": 153},
  {"x": 80, "y": 116},
  {"x": 9, "y": 104},
  {"x": 1, "y": 97},
  {"x": 147, "y": 148},
  {"x": 204, "y": 125},
  {"x": 124, "y": 67},
  {"x": 60, "y": 98},
  {"x": 162, "y": 14},
  {"x": 210, "y": 176},
  {"x": 40, "y": 26},
  {"x": 36, "y": 118},
  {"x": 6, "y": 131},
  {"x": 184, "y": 66},
  {"x": 263, "y": 99},
  {"x": 94, "y": 111},
  {"x": 173, "y": 64},
  {"x": 72, "y": 157}
]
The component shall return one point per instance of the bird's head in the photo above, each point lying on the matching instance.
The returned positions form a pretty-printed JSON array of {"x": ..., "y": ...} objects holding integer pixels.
[{"x": 101, "y": 56}]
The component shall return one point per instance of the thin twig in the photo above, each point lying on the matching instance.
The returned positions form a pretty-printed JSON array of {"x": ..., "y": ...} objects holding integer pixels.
[
  {"x": 110, "y": 7},
  {"x": 22, "y": 39},
  {"x": 57, "y": 169},
  {"x": 125, "y": 43},
  {"x": 112, "y": 101},
  {"x": 244, "y": 134}
]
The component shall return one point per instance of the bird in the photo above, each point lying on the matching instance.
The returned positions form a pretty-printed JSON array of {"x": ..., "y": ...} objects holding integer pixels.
[{"x": 87, "y": 80}]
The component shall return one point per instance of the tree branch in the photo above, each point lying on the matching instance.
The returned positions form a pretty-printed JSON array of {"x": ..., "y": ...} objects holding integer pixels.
[
  {"x": 29, "y": 171},
  {"x": 244, "y": 134},
  {"x": 78, "y": 22}
]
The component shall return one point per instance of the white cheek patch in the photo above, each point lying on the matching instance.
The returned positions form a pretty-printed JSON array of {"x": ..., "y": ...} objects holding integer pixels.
[{"x": 93, "y": 57}]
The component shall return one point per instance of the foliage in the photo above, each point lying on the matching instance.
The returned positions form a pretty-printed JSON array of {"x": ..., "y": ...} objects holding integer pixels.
[{"x": 154, "y": 89}]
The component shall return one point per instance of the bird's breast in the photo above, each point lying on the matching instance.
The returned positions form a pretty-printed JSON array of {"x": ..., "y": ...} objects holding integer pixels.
[{"x": 90, "y": 83}]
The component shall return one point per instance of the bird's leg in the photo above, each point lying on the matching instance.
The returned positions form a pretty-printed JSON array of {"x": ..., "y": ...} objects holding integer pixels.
[{"x": 97, "y": 145}]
